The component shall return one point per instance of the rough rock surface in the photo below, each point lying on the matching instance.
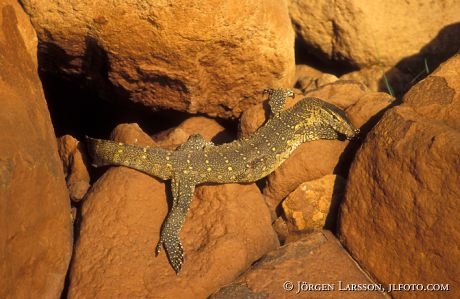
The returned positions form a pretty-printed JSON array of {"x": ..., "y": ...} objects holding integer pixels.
[
  {"x": 122, "y": 216},
  {"x": 35, "y": 223},
  {"x": 132, "y": 134},
  {"x": 208, "y": 128},
  {"x": 437, "y": 98},
  {"x": 313, "y": 205},
  {"x": 316, "y": 159},
  {"x": 316, "y": 259},
  {"x": 309, "y": 78},
  {"x": 209, "y": 56},
  {"x": 403, "y": 191},
  {"x": 73, "y": 155},
  {"x": 379, "y": 32},
  {"x": 397, "y": 82}
]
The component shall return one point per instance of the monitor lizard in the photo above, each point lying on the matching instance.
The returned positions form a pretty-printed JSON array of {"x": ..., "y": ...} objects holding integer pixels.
[{"x": 247, "y": 159}]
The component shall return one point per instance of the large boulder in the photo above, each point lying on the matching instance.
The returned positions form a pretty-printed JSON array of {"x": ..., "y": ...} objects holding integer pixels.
[
  {"x": 35, "y": 219},
  {"x": 399, "y": 215},
  {"x": 377, "y": 33},
  {"x": 208, "y": 56},
  {"x": 315, "y": 266}
]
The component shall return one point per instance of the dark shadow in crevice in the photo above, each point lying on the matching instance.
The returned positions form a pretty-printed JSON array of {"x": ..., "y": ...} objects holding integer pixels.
[
  {"x": 416, "y": 67},
  {"x": 79, "y": 111},
  {"x": 337, "y": 196},
  {"x": 79, "y": 104},
  {"x": 348, "y": 155},
  {"x": 315, "y": 58},
  {"x": 343, "y": 166},
  {"x": 76, "y": 235}
]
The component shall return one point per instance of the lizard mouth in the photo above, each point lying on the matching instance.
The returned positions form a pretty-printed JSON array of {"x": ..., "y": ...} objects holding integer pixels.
[
  {"x": 347, "y": 136},
  {"x": 354, "y": 136}
]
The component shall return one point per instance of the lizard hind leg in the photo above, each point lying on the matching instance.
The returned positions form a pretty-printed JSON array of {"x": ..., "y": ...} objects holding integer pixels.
[{"x": 182, "y": 190}]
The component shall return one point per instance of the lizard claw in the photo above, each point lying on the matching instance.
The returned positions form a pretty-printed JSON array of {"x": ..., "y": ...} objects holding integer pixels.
[
  {"x": 174, "y": 251},
  {"x": 158, "y": 248}
]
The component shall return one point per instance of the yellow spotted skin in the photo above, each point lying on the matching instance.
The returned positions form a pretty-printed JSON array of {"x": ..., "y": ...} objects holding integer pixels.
[{"x": 244, "y": 160}]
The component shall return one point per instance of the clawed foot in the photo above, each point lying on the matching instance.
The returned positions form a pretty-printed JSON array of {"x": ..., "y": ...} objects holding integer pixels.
[
  {"x": 158, "y": 248},
  {"x": 182, "y": 189},
  {"x": 277, "y": 98},
  {"x": 174, "y": 250}
]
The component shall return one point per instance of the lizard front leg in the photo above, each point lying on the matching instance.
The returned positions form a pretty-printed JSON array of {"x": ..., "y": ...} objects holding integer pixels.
[
  {"x": 182, "y": 189},
  {"x": 277, "y": 98}
]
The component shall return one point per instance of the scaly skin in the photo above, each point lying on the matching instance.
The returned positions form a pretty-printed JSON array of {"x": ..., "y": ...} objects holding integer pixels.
[{"x": 244, "y": 160}]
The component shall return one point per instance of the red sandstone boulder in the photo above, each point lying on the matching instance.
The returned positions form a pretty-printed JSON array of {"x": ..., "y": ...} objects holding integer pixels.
[
  {"x": 73, "y": 155},
  {"x": 313, "y": 205},
  {"x": 398, "y": 218},
  {"x": 315, "y": 266},
  {"x": 374, "y": 33},
  {"x": 207, "y": 127},
  {"x": 35, "y": 220},
  {"x": 208, "y": 56}
]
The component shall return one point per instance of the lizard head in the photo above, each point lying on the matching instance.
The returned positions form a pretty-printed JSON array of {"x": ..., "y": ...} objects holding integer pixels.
[{"x": 326, "y": 121}]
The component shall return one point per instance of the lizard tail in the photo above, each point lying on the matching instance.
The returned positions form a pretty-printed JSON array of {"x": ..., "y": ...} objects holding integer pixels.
[
  {"x": 101, "y": 152},
  {"x": 152, "y": 161}
]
